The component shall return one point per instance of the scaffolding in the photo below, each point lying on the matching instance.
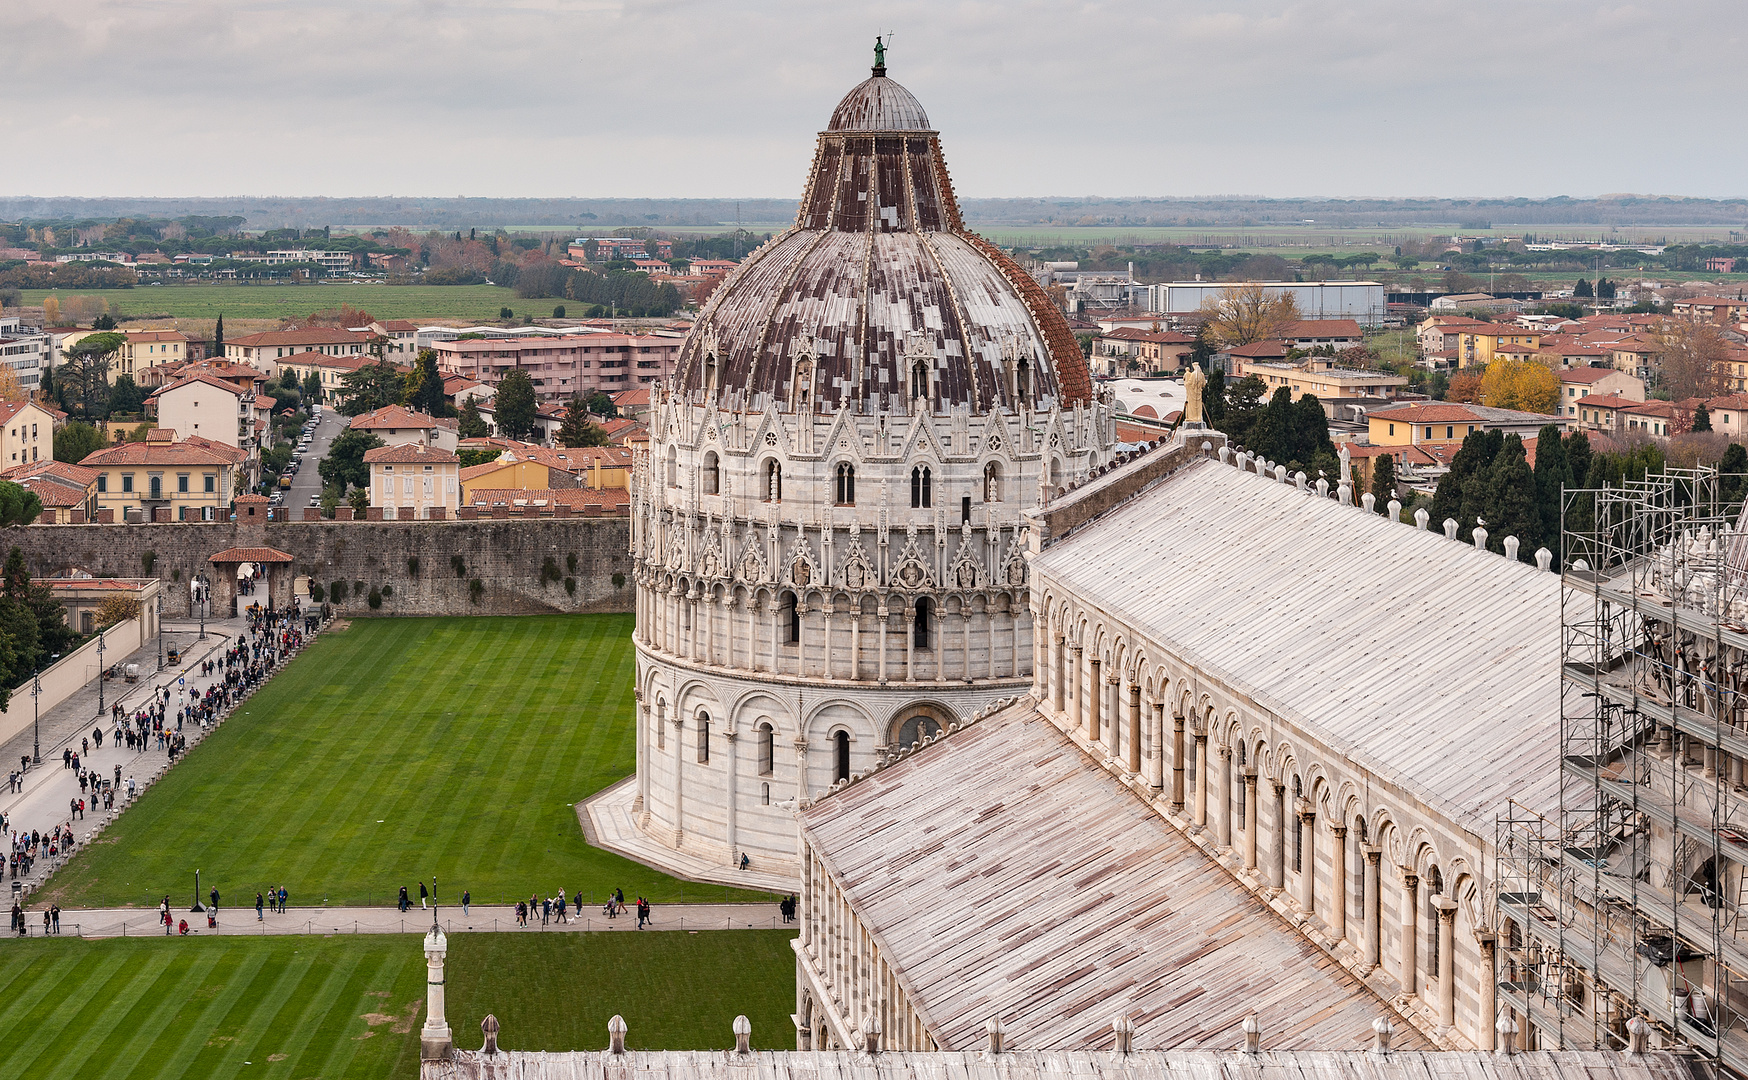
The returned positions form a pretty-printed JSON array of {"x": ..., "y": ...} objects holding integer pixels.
[{"x": 1630, "y": 902}]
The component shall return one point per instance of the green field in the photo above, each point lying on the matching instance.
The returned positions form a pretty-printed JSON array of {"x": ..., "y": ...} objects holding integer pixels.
[
  {"x": 242, "y": 301},
  {"x": 294, "y": 1007},
  {"x": 389, "y": 752}
]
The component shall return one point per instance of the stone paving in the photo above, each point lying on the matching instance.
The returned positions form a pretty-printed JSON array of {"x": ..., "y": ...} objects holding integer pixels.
[
  {"x": 50, "y": 787},
  {"x": 481, "y": 918},
  {"x": 609, "y": 822}
]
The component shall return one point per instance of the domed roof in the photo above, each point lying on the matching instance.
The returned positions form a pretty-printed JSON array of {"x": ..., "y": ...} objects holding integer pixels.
[
  {"x": 879, "y": 295},
  {"x": 879, "y": 104}
]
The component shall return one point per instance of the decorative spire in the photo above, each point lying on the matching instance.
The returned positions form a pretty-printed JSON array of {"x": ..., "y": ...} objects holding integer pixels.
[{"x": 880, "y": 57}]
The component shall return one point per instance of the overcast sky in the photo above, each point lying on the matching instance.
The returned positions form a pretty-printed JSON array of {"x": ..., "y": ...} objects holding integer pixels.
[{"x": 676, "y": 98}]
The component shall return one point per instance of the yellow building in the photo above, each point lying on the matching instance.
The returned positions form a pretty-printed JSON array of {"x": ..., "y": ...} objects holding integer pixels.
[
  {"x": 148, "y": 348},
  {"x": 1433, "y": 422},
  {"x": 192, "y": 480},
  {"x": 1476, "y": 346},
  {"x": 539, "y": 468},
  {"x": 1324, "y": 382},
  {"x": 27, "y": 433}
]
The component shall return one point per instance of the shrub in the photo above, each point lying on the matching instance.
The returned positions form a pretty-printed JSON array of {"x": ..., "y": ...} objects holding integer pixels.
[
  {"x": 475, "y": 589},
  {"x": 337, "y": 590},
  {"x": 413, "y": 565},
  {"x": 176, "y": 574},
  {"x": 388, "y": 590},
  {"x": 619, "y": 581},
  {"x": 316, "y": 592},
  {"x": 459, "y": 564},
  {"x": 374, "y": 599},
  {"x": 148, "y": 559},
  {"x": 570, "y": 586},
  {"x": 570, "y": 562},
  {"x": 358, "y": 588},
  {"x": 549, "y": 571}
]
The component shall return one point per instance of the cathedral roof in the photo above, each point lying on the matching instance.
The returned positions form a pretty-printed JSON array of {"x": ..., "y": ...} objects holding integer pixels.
[
  {"x": 878, "y": 271},
  {"x": 1427, "y": 662},
  {"x": 1005, "y": 875}
]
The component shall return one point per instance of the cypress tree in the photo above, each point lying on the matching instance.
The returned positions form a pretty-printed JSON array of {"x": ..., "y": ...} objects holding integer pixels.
[
  {"x": 1383, "y": 480},
  {"x": 1553, "y": 472},
  {"x": 1214, "y": 399},
  {"x": 1311, "y": 432},
  {"x": 1702, "y": 418},
  {"x": 1733, "y": 478},
  {"x": 1511, "y": 506},
  {"x": 218, "y": 337}
]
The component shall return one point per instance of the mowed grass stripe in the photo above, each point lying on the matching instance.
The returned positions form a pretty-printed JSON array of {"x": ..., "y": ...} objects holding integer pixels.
[
  {"x": 469, "y": 739},
  {"x": 53, "y": 984},
  {"x": 155, "y": 1010}
]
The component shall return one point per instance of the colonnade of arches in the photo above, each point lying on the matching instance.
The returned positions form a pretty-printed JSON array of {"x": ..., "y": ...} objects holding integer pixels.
[
  {"x": 886, "y": 635},
  {"x": 1297, "y": 821}
]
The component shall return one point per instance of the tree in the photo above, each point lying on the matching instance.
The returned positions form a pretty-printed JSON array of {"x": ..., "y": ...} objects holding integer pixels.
[
  {"x": 117, "y": 608},
  {"x": 1214, "y": 399},
  {"x": 424, "y": 385},
  {"x": 1465, "y": 386},
  {"x": 359, "y": 500},
  {"x": 105, "y": 321},
  {"x": 1473, "y": 459},
  {"x": 576, "y": 423},
  {"x": 126, "y": 396},
  {"x": 1581, "y": 290},
  {"x": 218, "y": 336},
  {"x": 1553, "y": 474},
  {"x": 506, "y": 313},
  {"x": 602, "y": 405},
  {"x": 1202, "y": 352},
  {"x": 370, "y": 387},
  {"x": 514, "y": 405},
  {"x": 1512, "y": 508},
  {"x": 18, "y": 505},
  {"x": 1604, "y": 289},
  {"x": 558, "y": 311},
  {"x": 10, "y": 388},
  {"x": 312, "y": 387},
  {"x": 1526, "y": 385},
  {"x": 473, "y": 425},
  {"x": 86, "y": 371},
  {"x": 1693, "y": 358},
  {"x": 1247, "y": 313},
  {"x": 1733, "y": 478},
  {"x": 77, "y": 440},
  {"x": 345, "y": 461},
  {"x": 1383, "y": 479},
  {"x": 1702, "y": 418},
  {"x": 1243, "y": 406}
]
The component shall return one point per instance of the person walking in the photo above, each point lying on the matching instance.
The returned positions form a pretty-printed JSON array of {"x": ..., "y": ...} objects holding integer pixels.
[
  {"x": 258, "y": 916},
  {"x": 546, "y": 911},
  {"x": 282, "y": 899},
  {"x": 55, "y": 912},
  {"x": 559, "y": 906},
  {"x": 404, "y": 902},
  {"x": 466, "y": 899},
  {"x": 213, "y": 916},
  {"x": 422, "y": 896}
]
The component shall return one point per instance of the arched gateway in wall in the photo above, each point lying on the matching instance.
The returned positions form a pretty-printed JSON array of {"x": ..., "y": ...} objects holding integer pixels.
[{"x": 826, "y": 530}]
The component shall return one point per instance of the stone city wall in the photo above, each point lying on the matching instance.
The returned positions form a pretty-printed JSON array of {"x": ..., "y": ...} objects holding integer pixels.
[{"x": 418, "y": 559}]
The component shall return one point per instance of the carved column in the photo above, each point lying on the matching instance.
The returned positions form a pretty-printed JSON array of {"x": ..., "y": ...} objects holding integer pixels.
[
  {"x": 825, "y": 661},
  {"x": 731, "y": 781},
  {"x": 883, "y": 615},
  {"x": 679, "y": 779},
  {"x": 1201, "y": 820},
  {"x": 801, "y": 794},
  {"x": 1156, "y": 752},
  {"x": 855, "y": 640},
  {"x": 910, "y": 638},
  {"x": 1057, "y": 704},
  {"x": 1177, "y": 763},
  {"x": 1338, "y": 882},
  {"x": 1251, "y": 817},
  {"x": 1308, "y": 862},
  {"x": 965, "y": 640},
  {"x": 729, "y": 603},
  {"x": 1374, "y": 943},
  {"x": 1095, "y": 693},
  {"x": 1278, "y": 857},
  {"x": 1135, "y": 729},
  {"x": 1489, "y": 987},
  {"x": 1447, "y": 967},
  {"x": 1074, "y": 689},
  {"x": 1223, "y": 821},
  {"x": 1409, "y": 977},
  {"x": 641, "y": 806}
]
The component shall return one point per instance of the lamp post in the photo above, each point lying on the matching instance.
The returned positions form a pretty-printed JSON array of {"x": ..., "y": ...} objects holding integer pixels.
[
  {"x": 99, "y": 673},
  {"x": 205, "y": 587},
  {"x": 160, "y": 631},
  {"x": 197, "y": 905}
]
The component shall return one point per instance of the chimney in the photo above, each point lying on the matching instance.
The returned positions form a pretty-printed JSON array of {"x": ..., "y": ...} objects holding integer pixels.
[
  {"x": 1511, "y": 545},
  {"x": 1480, "y": 538},
  {"x": 1381, "y": 1032},
  {"x": 1124, "y": 1030},
  {"x": 1544, "y": 559},
  {"x": 1507, "y": 1029},
  {"x": 1451, "y": 526},
  {"x": 1638, "y": 1035},
  {"x": 871, "y": 1035}
]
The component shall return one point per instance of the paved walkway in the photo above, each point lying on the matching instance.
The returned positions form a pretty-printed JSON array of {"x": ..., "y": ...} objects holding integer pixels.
[
  {"x": 142, "y": 922},
  {"x": 49, "y": 788},
  {"x": 608, "y": 822}
]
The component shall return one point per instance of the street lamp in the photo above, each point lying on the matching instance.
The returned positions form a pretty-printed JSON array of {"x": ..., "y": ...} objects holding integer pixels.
[
  {"x": 36, "y": 713},
  {"x": 160, "y": 631},
  {"x": 201, "y": 600},
  {"x": 99, "y": 673}
]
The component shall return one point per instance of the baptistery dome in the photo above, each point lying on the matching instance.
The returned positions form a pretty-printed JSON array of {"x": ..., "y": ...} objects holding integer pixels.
[{"x": 879, "y": 294}]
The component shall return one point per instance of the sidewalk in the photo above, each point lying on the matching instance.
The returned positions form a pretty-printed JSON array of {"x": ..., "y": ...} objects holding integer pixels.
[
  {"x": 49, "y": 788},
  {"x": 143, "y": 922}
]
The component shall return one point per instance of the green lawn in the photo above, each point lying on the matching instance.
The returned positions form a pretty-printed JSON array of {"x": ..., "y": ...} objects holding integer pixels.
[
  {"x": 294, "y": 1007},
  {"x": 245, "y": 301},
  {"x": 389, "y": 752}
]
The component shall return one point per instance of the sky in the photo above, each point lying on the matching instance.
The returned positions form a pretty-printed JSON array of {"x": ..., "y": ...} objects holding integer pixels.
[{"x": 692, "y": 98}]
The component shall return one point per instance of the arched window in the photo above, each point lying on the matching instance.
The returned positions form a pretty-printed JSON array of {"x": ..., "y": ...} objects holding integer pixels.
[
  {"x": 846, "y": 484},
  {"x": 921, "y": 627},
  {"x": 919, "y": 380},
  {"x": 765, "y": 794},
  {"x": 673, "y": 467},
  {"x": 704, "y": 738},
  {"x": 1434, "y": 886},
  {"x": 712, "y": 474},
  {"x": 992, "y": 482},
  {"x": 1242, "y": 786},
  {"x": 792, "y": 617},
  {"x": 1024, "y": 379},
  {"x": 1298, "y": 833},
  {"x": 841, "y": 755},
  {"x": 767, "y": 753},
  {"x": 773, "y": 481},
  {"x": 922, "y": 492}
]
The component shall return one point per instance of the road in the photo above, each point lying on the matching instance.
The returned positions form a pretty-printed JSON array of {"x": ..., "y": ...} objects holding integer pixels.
[{"x": 308, "y": 480}]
